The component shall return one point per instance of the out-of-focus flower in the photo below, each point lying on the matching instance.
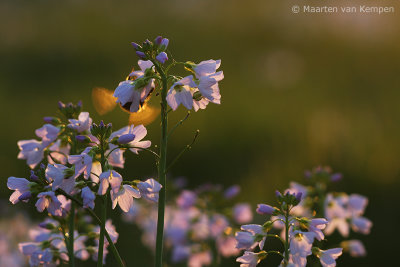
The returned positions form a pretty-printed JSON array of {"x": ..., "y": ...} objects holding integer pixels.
[
  {"x": 354, "y": 247},
  {"x": 242, "y": 213}
]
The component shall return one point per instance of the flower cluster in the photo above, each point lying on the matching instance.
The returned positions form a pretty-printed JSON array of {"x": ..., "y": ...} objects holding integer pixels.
[
  {"x": 300, "y": 217},
  {"x": 199, "y": 224},
  {"x": 342, "y": 211},
  {"x": 300, "y": 234},
  {"x": 195, "y": 91},
  {"x": 75, "y": 161}
]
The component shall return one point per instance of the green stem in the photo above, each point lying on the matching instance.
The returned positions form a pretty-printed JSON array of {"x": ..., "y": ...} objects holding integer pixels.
[
  {"x": 287, "y": 225},
  {"x": 103, "y": 217},
  {"x": 162, "y": 166},
  {"x": 71, "y": 235},
  {"x": 71, "y": 218}
]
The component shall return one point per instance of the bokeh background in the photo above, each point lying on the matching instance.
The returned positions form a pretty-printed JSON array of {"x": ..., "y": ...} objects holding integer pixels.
[{"x": 299, "y": 91}]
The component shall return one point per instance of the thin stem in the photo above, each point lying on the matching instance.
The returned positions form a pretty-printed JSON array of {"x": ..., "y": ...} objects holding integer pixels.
[
  {"x": 71, "y": 235},
  {"x": 276, "y": 236},
  {"x": 286, "y": 262},
  {"x": 102, "y": 230},
  {"x": 71, "y": 218},
  {"x": 183, "y": 151},
  {"x": 162, "y": 166},
  {"x": 141, "y": 148},
  {"x": 178, "y": 124},
  {"x": 103, "y": 211}
]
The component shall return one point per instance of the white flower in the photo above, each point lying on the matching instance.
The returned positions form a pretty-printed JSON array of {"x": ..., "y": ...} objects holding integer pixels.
[
  {"x": 82, "y": 124},
  {"x": 124, "y": 197},
  {"x": 128, "y": 95},
  {"x": 316, "y": 225},
  {"x": 181, "y": 93},
  {"x": 32, "y": 151},
  {"x": 300, "y": 247},
  {"x": 207, "y": 67}
]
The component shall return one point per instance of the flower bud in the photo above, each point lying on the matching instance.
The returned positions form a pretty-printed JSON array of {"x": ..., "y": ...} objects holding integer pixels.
[
  {"x": 164, "y": 44},
  {"x": 48, "y": 119},
  {"x": 264, "y": 209},
  {"x": 141, "y": 54},
  {"x": 136, "y": 46},
  {"x": 61, "y": 105},
  {"x": 298, "y": 196},
  {"x": 162, "y": 57},
  {"x": 34, "y": 177},
  {"x": 126, "y": 138},
  {"x": 25, "y": 196},
  {"x": 158, "y": 40},
  {"x": 83, "y": 139}
]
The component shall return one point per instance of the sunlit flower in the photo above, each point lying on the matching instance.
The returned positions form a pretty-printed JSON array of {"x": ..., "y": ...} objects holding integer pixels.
[
  {"x": 109, "y": 178},
  {"x": 32, "y": 151},
  {"x": 149, "y": 189},
  {"x": 128, "y": 95},
  {"x": 181, "y": 93},
  {"x": 48, "y": 133},
  {"x": 124, "y": 197},
  {"x": 82, "y": 162},
  {"x": 20, "y": 185},
  {"x": 82, "y": 124},
  {"x": 88, "y": 197},
  {"x": 300, "y": 247},
  {"x": 50, "y": 201}
]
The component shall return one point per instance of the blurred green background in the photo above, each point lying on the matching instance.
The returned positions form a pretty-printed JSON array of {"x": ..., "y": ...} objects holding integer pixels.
[{"x": 299, "y": 91}]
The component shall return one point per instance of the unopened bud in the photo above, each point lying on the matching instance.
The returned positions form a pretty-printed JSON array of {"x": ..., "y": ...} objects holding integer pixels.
[
  {"x": 126, "y": 138},
  {"x": 141, "y": 55},
  {"x": 25, "y": 196}
]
